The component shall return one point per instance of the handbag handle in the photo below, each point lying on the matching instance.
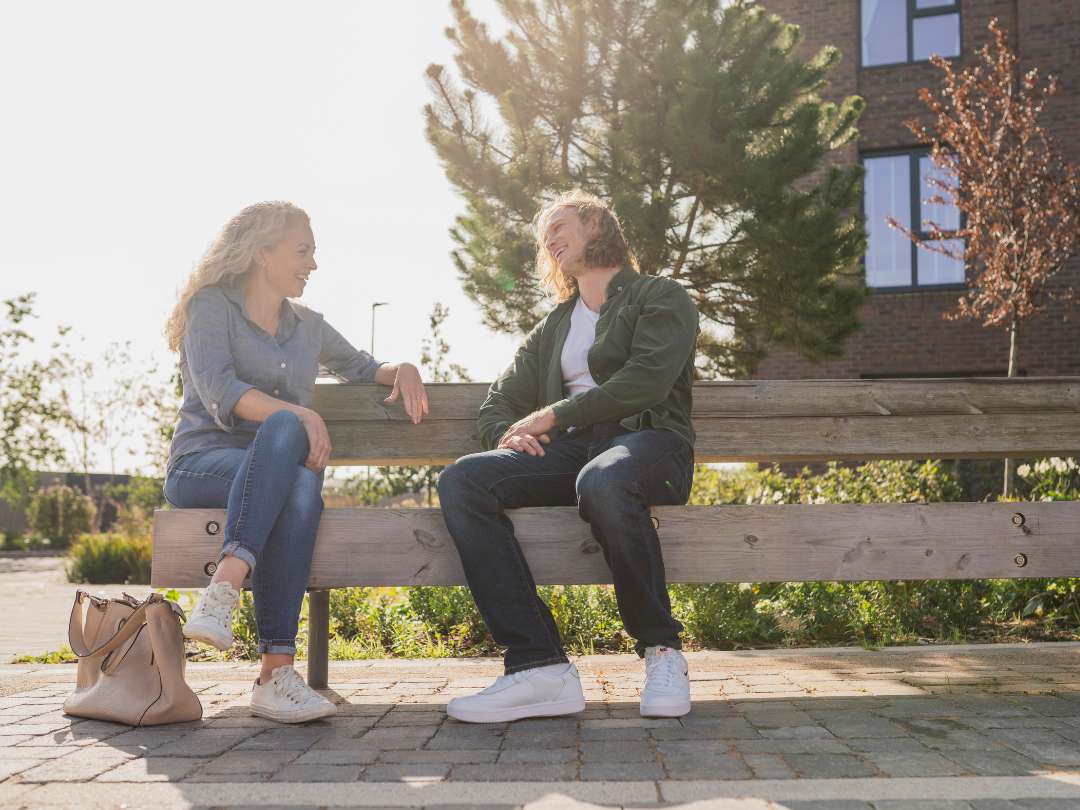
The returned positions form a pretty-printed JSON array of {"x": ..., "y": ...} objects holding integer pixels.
[{"x": 130, "y": 627}]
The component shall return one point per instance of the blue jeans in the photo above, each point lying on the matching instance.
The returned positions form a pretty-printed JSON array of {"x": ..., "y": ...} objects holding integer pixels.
[
  {"x": 272, "y": 508},
  {"x": 613, "y": 476}
]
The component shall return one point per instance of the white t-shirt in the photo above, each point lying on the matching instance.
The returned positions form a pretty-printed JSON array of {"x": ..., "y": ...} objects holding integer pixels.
[{"x": 575, "y": 353}]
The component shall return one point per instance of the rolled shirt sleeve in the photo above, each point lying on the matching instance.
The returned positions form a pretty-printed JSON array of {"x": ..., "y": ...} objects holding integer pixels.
[
  {"x": 344, "y": 360},
  {"x": 209, "y": 360}
]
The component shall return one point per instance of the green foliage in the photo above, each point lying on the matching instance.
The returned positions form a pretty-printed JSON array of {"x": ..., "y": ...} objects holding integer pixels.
[
  {"x": 60, "y": 513},
  {"x": 110, "y": 558},
  {"x": 62, "y": 656},
  {"x": 135, "y": 503},
  {"x": 30, "y": 409},
  {"x": 702, "y": 126}
]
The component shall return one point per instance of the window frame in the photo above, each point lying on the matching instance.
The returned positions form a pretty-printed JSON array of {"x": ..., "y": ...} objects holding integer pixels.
[
  {"x": 914, "y": 155},
  {"x": 913, "y": 12}
]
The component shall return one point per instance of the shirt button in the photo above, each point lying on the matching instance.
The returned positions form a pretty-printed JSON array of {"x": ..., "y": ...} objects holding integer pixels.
[
  {"x": 213, "y": 406},
  {"x": 276, "y": 392},
  {"x": 283, "y": 364}
]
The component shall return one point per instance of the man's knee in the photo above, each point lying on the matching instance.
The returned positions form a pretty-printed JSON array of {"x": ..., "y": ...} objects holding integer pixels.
[
  {"x": 465, "y": 474},
  {"x": 603, "y": 492}
]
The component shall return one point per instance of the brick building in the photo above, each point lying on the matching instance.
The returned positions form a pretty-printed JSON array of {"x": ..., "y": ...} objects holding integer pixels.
[{"x": 885, "y": 44}]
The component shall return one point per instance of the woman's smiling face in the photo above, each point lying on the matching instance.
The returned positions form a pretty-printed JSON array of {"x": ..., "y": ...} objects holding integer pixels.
[{"x": 288, "y": 264}]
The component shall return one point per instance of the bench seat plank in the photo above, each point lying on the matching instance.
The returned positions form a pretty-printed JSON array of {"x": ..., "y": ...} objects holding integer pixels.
[{"x": 368, "y": 546}]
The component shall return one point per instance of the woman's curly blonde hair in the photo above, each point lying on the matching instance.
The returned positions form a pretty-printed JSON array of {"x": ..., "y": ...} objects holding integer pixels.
[
  {"x": 607, "y": 249},
  {"x": 232, "y": 255}
]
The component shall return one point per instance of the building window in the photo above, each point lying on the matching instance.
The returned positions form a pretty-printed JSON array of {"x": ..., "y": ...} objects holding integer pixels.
[
  {"x": 897, "y": 185},
  {"x": 899, "y": 31}
]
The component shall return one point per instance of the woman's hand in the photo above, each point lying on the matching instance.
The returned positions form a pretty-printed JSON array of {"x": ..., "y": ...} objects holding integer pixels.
[
  {"x": 410, "y": 389},
  {"x": 318, "y": 440}
]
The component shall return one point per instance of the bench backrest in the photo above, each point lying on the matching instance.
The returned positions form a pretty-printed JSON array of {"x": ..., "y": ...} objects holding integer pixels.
[{"x": 759, "y": 420}]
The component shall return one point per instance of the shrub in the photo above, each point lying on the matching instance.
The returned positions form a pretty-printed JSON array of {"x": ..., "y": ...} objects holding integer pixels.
[
  {"x": 109, "y": 558},
  {"x": 60, "y": 513}
]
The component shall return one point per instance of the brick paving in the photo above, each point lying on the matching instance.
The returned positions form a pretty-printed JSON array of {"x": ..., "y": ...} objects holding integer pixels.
[{"x": 962, "y": 728}]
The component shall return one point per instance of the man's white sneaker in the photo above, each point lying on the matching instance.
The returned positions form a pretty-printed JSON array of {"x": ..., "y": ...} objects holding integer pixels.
[
  {"x": 539, "y": 692},
  {"x": 211, "y": 620},
  {"x": 288, "y": 699},
  {"x": 667, "y": 683}
]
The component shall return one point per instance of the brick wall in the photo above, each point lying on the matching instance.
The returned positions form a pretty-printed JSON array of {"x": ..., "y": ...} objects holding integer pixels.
[{"x": 904, "y": 333}]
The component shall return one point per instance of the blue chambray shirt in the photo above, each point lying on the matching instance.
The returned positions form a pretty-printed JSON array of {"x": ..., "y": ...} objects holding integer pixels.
[{"x": 225, "y": 354}]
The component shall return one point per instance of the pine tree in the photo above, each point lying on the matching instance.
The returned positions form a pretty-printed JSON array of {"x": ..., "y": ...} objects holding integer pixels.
[{"x": 701, "y": 126}]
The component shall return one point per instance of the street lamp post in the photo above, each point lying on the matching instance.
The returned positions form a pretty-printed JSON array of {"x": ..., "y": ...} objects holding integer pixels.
[{"x": 373, "y": 307}]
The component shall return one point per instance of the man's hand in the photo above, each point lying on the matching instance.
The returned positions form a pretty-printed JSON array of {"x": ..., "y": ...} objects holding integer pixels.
[
  {"x": 409, "y": 387},
  {"x": 528, "y": 435}
]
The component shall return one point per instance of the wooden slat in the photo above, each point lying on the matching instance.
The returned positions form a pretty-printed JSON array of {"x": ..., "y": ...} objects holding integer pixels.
[
  {"x": 798, "y": 438},
  {"x": 969, "y": 395},
  {"x": 798, "y": 420},
  {"x": 364, "y": 546}
]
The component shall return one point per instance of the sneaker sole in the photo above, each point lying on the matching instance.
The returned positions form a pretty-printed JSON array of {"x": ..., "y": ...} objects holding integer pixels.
[
  {"x": 293, "y": 717},
  {"x": 519, "y": 712},
  {"x": 667, "y": 711},
  {"x": 199, "y": 634}
]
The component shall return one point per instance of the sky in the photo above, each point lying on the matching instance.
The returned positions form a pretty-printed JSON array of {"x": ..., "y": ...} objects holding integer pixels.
[{"x": 134, "y": 130}]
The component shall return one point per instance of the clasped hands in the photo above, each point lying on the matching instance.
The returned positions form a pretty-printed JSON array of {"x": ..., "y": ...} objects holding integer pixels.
[{"x": 529, "y": 435}]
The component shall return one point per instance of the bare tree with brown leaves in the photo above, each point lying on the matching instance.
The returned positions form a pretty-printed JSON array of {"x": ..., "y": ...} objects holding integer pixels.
[{"x": 1019, "y": 199}]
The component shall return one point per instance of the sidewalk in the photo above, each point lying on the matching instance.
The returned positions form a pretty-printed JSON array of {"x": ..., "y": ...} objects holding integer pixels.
[{"x": 963, "y": 728}]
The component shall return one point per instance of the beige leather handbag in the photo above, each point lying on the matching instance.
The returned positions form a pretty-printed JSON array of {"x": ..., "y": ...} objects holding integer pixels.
[{"x": 131, "y": 661}]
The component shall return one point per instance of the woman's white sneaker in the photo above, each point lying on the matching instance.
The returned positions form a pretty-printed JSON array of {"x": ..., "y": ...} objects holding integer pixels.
[
  {"x": 288, "y": 699},
  {"x": 539, "y": 692},
  {"x": 667, "y": 683},
  {"x": 211, "y": 620}
]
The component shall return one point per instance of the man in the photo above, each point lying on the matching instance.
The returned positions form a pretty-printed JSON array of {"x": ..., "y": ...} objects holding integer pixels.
[{"x": 593, "y": 412}]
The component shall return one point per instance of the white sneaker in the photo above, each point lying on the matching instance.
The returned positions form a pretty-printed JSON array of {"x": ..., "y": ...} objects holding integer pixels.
[
  {"x": 537, "y": 692},
  {"x": 288, "y": 699},
  {"x": 211, "y": 620},
  {"x": 667, "y": 683}
]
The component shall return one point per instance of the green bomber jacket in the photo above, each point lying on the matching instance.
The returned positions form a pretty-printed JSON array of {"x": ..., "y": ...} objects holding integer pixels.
[{"x": 642, "y": 361}]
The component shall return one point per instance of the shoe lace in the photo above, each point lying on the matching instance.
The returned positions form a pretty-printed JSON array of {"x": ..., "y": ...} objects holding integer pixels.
[
  {"x": 218, "y": 604},
  {"x": 292, "y": 687},
  {"x": 660, "y": 670}
]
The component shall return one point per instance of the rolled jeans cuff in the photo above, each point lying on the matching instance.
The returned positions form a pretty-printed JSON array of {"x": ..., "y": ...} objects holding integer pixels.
[
  {"x": 234, "y": 549},
  {"x": 277, "y": 647}
]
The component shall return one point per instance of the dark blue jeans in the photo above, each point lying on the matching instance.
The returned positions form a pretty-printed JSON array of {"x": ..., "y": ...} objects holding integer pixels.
[
  {"x": 272, "y": 508},
  {"x": 613, "y": 476}
]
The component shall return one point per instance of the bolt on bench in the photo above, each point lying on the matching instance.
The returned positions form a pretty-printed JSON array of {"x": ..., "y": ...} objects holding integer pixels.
[{"x": 799, "y": 421}]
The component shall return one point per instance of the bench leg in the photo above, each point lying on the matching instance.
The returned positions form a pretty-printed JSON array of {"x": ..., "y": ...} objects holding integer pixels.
[{"x": 318, "y": 638}]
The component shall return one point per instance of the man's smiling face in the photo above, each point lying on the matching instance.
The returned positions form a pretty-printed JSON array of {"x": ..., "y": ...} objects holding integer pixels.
[{"x": 565, "y": 240}]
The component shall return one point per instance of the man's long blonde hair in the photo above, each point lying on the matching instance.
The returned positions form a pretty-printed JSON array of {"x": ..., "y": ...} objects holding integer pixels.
[
  {"x": 232, "y": 255},
  {"x": 607, "y": 249}
]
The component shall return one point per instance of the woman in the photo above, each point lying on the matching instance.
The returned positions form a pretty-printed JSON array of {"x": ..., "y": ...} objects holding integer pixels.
[{"x": 247, "y": 439}]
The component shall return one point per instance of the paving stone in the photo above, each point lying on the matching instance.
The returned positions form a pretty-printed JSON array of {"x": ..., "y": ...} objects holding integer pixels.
[
  {"x": 151, "y": 769},
  {"x": 299, "y": 738},
  {"x": 887, "y": 745},
  {"x": 522, "y": 772},
  {"x": 790, "y": 747},
  {"x": 338, "y": 757},
  {"x": 318, "y": 773},
  {"x": 842, "y": 804},
  {"x": 900, "y": 764},
  {"x": 621, "y": 734},
  {"x": 796, "y": 733},
  {"x": 954, "y": 740},
  {"x": 470, "y": 756},
  {"x": 78, "y": 767},
  {"x": 828, "y": 766},
  {"x": 237, "y": 761},
  {"x": 543, "y": 755},
  {"x": 704, "y": 766},
  {"x": 399, "y": 737},
  {"x": 769, "y": 766},
  {"x": 921, "y": 804},
  {"x": 207, "y": 743},
  {"x": 621, "y": 772},
  {"x": 147, "y": 738},
  {"x": 861, "y": 724},
  {"x": 605, "y": 751},
  {"x": 729, "y": 728},
  {"x": 1050, "y": 748},
  {"x": 414, "y": 772},
  {"x": 409, "y": 718},
  {"x": 453, "y": 738},
  {"x": 994, "y": 763}
]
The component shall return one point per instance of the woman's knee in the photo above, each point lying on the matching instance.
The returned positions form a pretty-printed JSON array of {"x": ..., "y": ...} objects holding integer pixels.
[{"x": 285, "y": 434}]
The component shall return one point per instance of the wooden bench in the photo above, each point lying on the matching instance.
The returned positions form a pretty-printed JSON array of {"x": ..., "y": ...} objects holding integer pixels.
[{"x": 760, "y": 420}]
